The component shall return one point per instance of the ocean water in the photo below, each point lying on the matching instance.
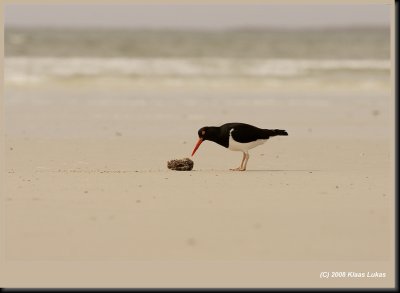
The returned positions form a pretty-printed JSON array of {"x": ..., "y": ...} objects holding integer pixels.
[{"x": 44, "y": 55}]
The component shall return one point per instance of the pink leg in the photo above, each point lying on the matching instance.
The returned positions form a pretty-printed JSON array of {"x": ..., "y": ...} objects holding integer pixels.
[{"x": 241, "y": 167}]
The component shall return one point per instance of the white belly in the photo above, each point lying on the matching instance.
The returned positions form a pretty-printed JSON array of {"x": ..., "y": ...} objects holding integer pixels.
[{"x": 244, "y": 147}]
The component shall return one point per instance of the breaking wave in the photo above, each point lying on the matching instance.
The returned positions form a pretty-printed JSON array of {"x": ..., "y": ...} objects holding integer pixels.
[{"x": 23, "y": 69}]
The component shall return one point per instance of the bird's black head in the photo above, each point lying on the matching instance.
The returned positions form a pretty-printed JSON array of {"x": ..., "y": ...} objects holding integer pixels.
[{"x": 205, "y": 133}]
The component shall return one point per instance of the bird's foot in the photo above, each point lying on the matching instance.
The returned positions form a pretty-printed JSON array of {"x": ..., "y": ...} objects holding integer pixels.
[{"x": 238, "y": 169}]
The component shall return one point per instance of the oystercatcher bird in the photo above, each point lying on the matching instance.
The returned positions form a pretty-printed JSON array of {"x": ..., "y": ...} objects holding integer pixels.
[{"x": 237, "y": 137}]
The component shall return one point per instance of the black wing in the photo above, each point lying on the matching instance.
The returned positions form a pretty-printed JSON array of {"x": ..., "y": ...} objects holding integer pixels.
[{"x": 244, "y": 132}]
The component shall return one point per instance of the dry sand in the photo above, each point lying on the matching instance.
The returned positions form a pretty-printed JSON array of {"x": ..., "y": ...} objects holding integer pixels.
[{"x": 87, "y": 180}]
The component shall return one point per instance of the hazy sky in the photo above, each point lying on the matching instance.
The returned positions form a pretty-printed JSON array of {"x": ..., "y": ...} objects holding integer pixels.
[{"x": 206, "y": 16}]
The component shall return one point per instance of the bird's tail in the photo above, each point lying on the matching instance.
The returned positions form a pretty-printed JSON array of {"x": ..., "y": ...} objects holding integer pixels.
[{"x": 275, "y": 132}]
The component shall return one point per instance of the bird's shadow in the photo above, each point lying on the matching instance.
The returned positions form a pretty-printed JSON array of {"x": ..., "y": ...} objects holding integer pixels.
[
  {"x": 263, "y": 170},
  {"x": 283, "y": 170}
]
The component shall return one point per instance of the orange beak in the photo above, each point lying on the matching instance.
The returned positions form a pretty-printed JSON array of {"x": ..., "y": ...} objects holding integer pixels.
[{"x": 197, "y": 146}]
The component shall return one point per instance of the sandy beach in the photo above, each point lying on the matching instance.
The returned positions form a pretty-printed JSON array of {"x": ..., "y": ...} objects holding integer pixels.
[
  {"x": 86, "y": 174},
  {"x": 92, "y": 115}
]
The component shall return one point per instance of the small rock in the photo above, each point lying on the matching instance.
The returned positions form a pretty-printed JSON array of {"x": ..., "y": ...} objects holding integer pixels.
[
  {"x": 257, "y": 226},
  {"x": 375, "y": 112},
  {"x": 191, "y": 242}
]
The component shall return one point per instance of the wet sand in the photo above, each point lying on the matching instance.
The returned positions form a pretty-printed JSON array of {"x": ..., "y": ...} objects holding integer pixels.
[{"x": 87, "y": 177}]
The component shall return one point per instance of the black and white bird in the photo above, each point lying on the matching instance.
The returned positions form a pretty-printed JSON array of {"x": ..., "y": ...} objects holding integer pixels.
[{"x": 237, "y": 137}]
